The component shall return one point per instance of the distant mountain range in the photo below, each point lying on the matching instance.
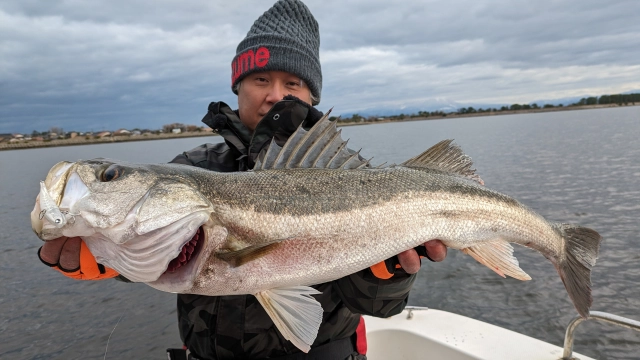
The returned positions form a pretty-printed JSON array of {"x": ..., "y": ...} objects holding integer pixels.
[{"x": 449, "y": 105}]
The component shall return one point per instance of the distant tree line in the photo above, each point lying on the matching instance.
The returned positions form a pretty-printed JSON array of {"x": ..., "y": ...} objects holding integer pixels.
[
  {"x": 620, "y": 99},
  {"x": 356, "y": 118}
]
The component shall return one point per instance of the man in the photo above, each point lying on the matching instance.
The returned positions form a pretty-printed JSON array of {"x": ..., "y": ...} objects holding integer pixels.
[{"x": 277, "y": 76}]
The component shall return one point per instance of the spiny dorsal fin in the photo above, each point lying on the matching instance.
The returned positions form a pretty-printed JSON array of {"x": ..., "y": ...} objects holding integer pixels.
[
  {"x": 321, "y": 147},
  {"x": 285, "y": 153},
  {"x": 445, "y": 156},
  {"x": 269, "y": 157},
  {"x": 308, "y": 145}
]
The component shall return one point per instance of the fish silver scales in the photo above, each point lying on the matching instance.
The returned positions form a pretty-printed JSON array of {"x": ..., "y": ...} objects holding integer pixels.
[
  {"x": 310, "y": 212},
  {"x": 360, "y": 227}
]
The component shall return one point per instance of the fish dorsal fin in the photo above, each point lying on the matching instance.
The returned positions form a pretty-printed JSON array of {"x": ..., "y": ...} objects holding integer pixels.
[
  {"x": 445, "y": 156},
  {"x": 294, "y": 312},
  {"x": 269, "y": 157},
  {"x": 321, "y": 147}
]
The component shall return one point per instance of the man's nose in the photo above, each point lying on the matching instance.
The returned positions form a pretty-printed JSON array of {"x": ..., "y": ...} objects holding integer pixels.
[{"x": 276, "y": 93}]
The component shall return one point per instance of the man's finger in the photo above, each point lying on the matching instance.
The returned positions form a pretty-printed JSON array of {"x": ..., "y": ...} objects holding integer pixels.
[
  {"x": 50, "y": 251},
  {"x": 436, "y": 250},
  {"x": 410, "y": 261},
  {"x": 70, "y": 254}
]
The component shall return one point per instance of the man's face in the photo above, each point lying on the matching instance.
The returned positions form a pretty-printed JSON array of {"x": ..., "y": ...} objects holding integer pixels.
[{"x": 260, "y": 91}]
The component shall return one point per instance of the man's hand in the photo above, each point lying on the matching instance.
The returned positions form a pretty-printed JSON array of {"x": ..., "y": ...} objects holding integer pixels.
[
  {"x": 410, "y": 260},
  {"x": 72, "y": 258}
]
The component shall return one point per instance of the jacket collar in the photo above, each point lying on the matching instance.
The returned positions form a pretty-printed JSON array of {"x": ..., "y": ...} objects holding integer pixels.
[
  {"x": 226, "y": 122},
  {"x": 278, "y": 124}
]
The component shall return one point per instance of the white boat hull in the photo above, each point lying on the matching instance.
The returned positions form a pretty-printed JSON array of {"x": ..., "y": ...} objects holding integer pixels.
[{"x": 436, "y": 334}]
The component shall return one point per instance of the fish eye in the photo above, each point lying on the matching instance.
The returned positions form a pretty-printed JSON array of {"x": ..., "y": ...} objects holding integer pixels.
[{"x": 111, "y": 173}]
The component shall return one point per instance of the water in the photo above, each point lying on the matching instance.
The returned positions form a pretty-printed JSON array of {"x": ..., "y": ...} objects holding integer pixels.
[{"x": 574, "y": 166}]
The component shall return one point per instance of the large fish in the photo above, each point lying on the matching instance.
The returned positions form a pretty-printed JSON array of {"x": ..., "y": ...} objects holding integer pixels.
[{"x": 308, "y": 213}]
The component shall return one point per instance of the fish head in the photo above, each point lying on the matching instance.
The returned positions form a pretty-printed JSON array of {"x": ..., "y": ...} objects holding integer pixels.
[{"x": 142, "y": 220}]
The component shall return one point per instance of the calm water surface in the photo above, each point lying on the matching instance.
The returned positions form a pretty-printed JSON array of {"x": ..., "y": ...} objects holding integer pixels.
[{"x": 574, "y": 166}]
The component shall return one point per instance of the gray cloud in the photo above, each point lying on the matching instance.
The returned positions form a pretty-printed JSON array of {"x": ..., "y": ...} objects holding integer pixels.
[{"x": 94, "y": 65}]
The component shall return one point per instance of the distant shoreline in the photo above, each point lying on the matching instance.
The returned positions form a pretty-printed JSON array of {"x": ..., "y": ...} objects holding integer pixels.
[
  {"x": 81, "y": 140},
  {"x": 491, "y": 113}
]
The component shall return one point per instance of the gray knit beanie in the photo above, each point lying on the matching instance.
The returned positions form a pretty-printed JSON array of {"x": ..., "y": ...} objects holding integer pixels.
[{"x": 284, "y": 38}]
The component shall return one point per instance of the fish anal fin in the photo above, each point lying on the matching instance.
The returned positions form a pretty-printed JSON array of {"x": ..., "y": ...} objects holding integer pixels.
[
  {"x": 498, "y": 256},
  {"x": 247, "y": 254},
  {"x": 445, "y": 156},
  {"x": 296, "y": 314}
]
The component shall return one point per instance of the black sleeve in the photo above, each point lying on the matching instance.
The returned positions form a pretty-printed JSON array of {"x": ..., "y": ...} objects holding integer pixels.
[
  {"x": 217, "y": 157},
  {"x": 366, "y": 294}
]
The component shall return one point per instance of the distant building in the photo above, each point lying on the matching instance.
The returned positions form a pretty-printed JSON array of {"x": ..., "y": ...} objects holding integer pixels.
[
  {"x": 176, "y": 131},
  {"x": 122, "y": 132},
  {"x": 103, "y": 134}
]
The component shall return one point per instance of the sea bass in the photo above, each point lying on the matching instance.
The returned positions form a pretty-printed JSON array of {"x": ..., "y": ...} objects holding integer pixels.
[{"x": 309, "y": 212}]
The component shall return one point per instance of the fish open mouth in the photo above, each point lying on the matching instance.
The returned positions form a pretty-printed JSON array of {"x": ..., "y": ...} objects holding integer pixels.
[{"x": 188, "y": 251}]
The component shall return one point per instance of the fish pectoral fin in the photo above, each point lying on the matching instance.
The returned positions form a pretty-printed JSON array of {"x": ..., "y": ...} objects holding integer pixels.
[
  {"x": 498, "y": 256},
  {"x": 242, "y": 256},
  {"x": 296, "y": 314}
]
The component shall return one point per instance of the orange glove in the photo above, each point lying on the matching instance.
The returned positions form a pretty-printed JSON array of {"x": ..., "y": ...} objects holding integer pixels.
[
  {"x": 409, "y": 260},
  {"x": 72, "y": 258}
]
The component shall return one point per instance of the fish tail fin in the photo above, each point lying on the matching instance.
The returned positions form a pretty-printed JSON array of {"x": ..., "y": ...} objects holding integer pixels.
[{"x": 581, "y": 246}]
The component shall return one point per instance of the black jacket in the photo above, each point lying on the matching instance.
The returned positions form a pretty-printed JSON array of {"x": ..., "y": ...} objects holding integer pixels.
[{"x": 236, "y": 327}]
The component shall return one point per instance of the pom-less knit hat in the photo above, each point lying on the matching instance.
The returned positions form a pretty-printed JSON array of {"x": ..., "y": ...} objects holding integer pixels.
[{"x": 284, "y": 38}]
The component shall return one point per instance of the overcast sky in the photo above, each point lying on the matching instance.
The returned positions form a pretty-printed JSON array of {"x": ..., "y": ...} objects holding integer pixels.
[{"x": 93, "y": 65}]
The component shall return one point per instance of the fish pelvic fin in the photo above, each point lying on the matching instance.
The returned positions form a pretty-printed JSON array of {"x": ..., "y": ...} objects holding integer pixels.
[
  {"x": 498, "y": 256},
  {"x": 445, "y": 156},
  {"x": 321, "y": 147},
  {"x": 296, "y": 314},
  {"x": 581, "y": 247}
]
